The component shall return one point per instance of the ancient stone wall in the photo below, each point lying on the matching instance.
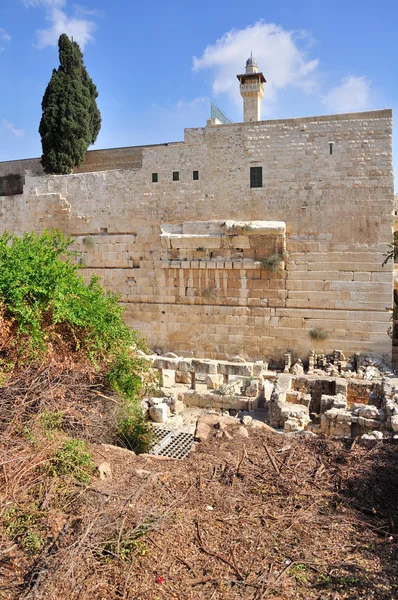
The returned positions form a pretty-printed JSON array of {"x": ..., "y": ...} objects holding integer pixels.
[{"x": 208, "y": 265}]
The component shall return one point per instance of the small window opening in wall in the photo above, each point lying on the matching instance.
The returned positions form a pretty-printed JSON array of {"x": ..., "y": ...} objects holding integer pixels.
[
  {"x": 256, "y": 177},
  {"x": 195, "y": 175},
  {"x": 331, "y": 147},
  {"x": 103, "y": 230},
  {"x": 155, "y": 178},
  {"x": 176, "y": 175}
]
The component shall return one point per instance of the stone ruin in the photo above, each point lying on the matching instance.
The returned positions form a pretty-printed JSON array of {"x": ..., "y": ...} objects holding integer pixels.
[{"x": 332, "y": 395}]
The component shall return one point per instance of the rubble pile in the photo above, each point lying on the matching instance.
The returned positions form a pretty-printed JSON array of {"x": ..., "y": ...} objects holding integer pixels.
[{"x": 330, "y": 394}]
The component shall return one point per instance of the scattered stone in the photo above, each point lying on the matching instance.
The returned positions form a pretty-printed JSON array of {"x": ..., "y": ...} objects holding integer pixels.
[
  {"x": 242, "y": 431},
  {"x": 202, "y": 431},
  {"x": 368, "y": 412},
  {"x": 155, "y": 401},
  {"x": 158, "y": 413},
  {"x": 297, "y": 368},
  {"x": 213, "y": 382},
  {"x": 171, "y": 355},
  {"x": 247, "y": 420},
  {"x": 142, "y": 473},
  {"x": 394, "y": 423},
  {"x": 124, "y": 452},
  {"x": 105, "y": 471},
  {"x": 183, "y": 377}
]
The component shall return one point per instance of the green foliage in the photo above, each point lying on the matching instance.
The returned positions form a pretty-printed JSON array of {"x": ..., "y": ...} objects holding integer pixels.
[
  {"x": 23, "y": 526},
  {"x": 133, "y": 429},
  {"x": 392, "y": 250},
  {"x": 127, "y": 548},
  {"x": 38, "y": 289},
  {"x": 71, "y": 120},
  {"x": 46, "y": 299},
  {"x": 73, "y": 458},
  {"x": 318, "y": 334},
  {"x": 51, "y": 420}
]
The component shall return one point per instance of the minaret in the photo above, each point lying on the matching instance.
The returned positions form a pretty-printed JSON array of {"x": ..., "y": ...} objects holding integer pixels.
[{"x": 252, "y": 90}]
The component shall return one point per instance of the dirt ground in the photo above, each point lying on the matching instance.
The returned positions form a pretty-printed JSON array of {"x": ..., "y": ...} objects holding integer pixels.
[
  {"x": 265, "y": 516},
  {"x": 268, "y": 516}
]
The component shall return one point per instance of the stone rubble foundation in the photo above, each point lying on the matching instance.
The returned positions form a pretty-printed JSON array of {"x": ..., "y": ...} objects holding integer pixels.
[{"x": 336, "y": 396}]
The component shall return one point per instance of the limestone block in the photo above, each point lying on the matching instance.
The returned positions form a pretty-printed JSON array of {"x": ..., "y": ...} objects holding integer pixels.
[
  {"x": 165, "y": 363},
  {"x": 168, "y": 378},
  {"x": 291, "y": 425},
  {"x": 158, "y": 413},
  {"x": 202, "y": 431},
  {"x": 240, "y": 369},
  {"x": 368, "y": 412},
  {"x": 185, "y": 365},
  {"x": 326, "y": 403},
  {"x": 183, "y": 377},
  {"x": 267, "y": 389},
  {"x": 204, "y": 366},
  {"x": 213, "y": 382}
]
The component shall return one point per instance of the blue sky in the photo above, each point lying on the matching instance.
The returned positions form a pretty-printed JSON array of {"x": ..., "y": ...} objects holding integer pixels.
[{"x": 157, "y": 65}]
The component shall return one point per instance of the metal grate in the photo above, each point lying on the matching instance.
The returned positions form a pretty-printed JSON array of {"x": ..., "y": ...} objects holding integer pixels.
[{"x": 173, "y": 445}]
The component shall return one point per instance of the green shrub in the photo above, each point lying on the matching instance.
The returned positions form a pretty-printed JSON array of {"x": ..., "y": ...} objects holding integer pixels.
[
  {"x": 46, "y": 299},
  {"x": 23, "y": 526},
  {"x": 73, "y": 458},
  {"x": 51, "y": 420},
  {"x": 133, "y": 429}
]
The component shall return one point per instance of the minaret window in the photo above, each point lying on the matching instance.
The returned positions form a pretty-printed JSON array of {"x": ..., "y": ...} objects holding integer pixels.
[
  {"x": 154, "y": 177},
  {"x": 256, "y": 177},
  {"x": 195, "y": 175},
  {"x": 176, "y": 176}
]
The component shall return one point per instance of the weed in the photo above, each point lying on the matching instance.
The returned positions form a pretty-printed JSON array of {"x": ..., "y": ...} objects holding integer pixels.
[
  {"x": 273, "y": 261},
  {"x": 133, "y": 430},
  {"x": 73, "y": 458},
  {"x": 318, "y": 334},
  {"x": 51, "y": 420},
  {"x": 209, "y": 293},
  {"x": 89, "y": 241},
  {"x": 23, "y": 526},
  {"x": 339, "y": 582},
  {"x": 127, "y": 548},
  {"x": 200, "y": 249},
  {"x": 299, "y": 572}
]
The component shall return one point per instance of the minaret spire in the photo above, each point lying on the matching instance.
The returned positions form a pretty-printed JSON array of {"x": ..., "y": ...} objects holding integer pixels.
[{"x": 252, "y": 90}]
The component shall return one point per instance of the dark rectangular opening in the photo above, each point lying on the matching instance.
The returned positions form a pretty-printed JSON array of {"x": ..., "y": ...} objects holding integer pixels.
[
  {"x": 176, "y": 175},
  {"x": 256, "y": 177},
  {"x": 195, "y": 175},
  {"x": 154, "y": 177}
]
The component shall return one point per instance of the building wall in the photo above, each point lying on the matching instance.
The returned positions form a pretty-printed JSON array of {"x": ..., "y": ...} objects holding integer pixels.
[{"x": 193, "y": 282}]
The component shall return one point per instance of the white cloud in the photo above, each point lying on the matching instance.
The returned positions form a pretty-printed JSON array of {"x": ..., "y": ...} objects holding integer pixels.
[
  {"x": 4, "y": 36},
  {"x": 353, "y": 94},
  {"x": 81, "y": 29},
  {"x": 17, "y": 132},
  {"x": 279, "y": 55}
]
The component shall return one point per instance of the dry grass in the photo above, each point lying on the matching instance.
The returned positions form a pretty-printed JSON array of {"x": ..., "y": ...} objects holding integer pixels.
[{"x": 266, "y": 517}]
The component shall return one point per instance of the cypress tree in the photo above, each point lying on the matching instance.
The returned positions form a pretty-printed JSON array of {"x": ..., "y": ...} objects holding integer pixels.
[{"x": 71, "y": 120}]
